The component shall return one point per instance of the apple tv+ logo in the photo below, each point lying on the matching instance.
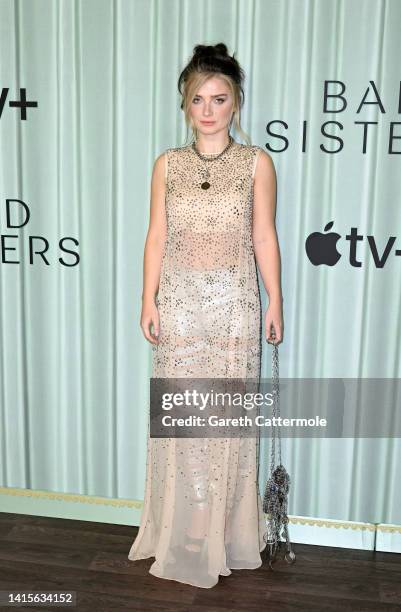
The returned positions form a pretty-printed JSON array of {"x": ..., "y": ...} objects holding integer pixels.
[{"x": 321, "y": 248}]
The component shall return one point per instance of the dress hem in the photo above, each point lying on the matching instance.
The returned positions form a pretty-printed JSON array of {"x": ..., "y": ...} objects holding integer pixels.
[{"x": 200, "y": 586}]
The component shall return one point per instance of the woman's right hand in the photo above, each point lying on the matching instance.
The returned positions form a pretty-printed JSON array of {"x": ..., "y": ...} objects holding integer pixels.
[{"x": 149, "y": 318}]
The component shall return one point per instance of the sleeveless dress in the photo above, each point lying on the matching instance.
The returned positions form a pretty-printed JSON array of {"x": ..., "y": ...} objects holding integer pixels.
[{"x": 202, "y": 513}]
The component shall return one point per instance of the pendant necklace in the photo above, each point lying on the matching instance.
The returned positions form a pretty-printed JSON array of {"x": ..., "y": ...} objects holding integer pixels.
[{"x": 205, "y": 157}]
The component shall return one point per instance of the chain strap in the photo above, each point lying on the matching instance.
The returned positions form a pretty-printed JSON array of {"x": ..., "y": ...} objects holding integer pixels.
[{"x": 275, "y": 500}]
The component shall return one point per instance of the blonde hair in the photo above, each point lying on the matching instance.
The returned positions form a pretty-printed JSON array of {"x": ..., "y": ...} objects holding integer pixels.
[{"x": 208, "y": 62}]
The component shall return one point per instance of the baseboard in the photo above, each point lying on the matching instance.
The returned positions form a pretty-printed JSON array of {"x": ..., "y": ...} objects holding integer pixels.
[{"x": 302, "y": 529}]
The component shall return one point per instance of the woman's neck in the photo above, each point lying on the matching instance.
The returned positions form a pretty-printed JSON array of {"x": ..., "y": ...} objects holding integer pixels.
[{"x": 207, "y": 147}]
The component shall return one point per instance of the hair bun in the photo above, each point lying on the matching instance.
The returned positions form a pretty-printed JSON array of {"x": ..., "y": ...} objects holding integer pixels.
[
  {"x": 221, "y": 48},
  {"x": 201, "y": 51}
]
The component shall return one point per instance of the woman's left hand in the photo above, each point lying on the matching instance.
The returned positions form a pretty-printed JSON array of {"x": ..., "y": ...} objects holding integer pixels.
[{"x": 274, "y": 317}]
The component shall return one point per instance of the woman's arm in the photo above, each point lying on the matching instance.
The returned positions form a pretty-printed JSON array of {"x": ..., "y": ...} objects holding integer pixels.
[
  {"x": 153, "y": 252},
  {"x": 265, "y": 242}
]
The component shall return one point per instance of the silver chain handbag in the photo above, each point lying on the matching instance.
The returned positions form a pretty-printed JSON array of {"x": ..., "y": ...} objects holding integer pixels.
[{"x": 275, "y": 499}]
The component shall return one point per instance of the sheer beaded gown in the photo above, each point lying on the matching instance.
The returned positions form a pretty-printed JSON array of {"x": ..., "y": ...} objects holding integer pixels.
[{"x": 202, "y": 513}]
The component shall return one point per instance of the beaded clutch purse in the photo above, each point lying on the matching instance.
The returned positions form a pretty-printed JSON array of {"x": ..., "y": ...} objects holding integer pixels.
[{"x": 275, "y": 499}]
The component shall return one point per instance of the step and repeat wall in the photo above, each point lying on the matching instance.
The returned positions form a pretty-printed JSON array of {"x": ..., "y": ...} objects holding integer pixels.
[{"x": 88, "y": 100}]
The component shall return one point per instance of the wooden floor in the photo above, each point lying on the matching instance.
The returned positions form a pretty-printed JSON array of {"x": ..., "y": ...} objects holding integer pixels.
[{"x": 40, "y": 553}]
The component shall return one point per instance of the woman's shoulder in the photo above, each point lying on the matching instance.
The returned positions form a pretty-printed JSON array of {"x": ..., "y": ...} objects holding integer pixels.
[
  {"x": 254, "y": 154},
  {"x": 252, "y": 151},
  {"x": 168, "y": 153},
  {"x": 180, "y": 149},
  {"x": 252, "y": 148},
  {"x": 171, "y": 154},
  {"x": 171, "y": 158},
  {"x": 260, "y": 153},
  {"x": 248, "y": 147}
]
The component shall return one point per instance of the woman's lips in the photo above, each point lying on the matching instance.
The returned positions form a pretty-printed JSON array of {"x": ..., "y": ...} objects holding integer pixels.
[{"x": 208, "y": 122}]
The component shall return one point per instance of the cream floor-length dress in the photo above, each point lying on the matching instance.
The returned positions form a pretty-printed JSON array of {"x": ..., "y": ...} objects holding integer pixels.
[{"x": 202, "y": 513}]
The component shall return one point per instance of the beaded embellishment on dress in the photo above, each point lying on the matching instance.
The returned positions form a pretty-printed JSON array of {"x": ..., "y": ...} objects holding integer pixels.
[{"x": 202, "y": 513}]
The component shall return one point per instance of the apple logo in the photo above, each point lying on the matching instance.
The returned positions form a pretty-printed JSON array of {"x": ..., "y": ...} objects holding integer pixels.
[{"x": 321, "y": 248}]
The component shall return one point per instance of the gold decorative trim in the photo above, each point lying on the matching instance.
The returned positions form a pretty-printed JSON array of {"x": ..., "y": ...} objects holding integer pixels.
[
  {"x": 389, "y": 528},
  {"x": 134, "y": 503},
  {"x": 71, "y": 497},
  {"x": 332, "y": 523}
]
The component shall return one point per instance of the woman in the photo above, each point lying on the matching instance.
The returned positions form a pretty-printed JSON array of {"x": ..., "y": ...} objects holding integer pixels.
[{"x": 212, "y": 212}]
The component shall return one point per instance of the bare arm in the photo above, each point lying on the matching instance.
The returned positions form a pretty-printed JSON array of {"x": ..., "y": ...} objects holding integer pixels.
[
  {"x": 153, "y": 252},
  {"x": 265, "y": 241}
]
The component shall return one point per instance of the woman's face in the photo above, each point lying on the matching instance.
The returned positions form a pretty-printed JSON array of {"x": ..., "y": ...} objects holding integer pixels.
[{"x": 212, "y": 107}]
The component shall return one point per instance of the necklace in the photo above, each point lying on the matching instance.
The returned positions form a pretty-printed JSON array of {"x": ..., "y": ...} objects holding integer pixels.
[{"x": 205, "y": 158}]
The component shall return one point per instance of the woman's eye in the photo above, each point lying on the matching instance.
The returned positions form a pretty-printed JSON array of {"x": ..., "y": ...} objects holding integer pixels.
[{"x": 220, "y": 100}]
